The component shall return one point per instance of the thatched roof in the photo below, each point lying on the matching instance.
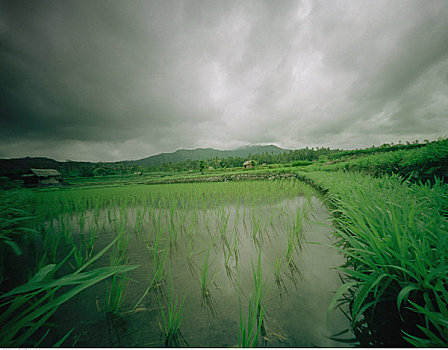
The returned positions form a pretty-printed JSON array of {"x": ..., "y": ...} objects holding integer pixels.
[
  {"x": 247, "y": 162},
  {"x": 45, "y": 172}
]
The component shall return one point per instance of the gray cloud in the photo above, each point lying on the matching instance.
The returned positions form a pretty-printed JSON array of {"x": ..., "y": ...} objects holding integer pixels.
[{"x": 111, "y": 80}]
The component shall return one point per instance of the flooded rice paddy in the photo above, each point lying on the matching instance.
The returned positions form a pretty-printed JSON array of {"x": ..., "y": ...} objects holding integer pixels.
[{"x": 236, "y": 263}]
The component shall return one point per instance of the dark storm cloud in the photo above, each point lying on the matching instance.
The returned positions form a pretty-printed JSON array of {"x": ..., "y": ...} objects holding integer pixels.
[{"x": 110, "y": 80}]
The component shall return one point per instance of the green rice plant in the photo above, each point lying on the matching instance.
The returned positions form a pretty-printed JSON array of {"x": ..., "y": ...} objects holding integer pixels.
[
  {"x": 298, "y": 223},
  {"x": 116, "y": 288},
  {"x": 204, "y": 276},
  {"x": 257, "y": 233},
  {"x": 81, "y": 222},
  {"x": 396, "y": 249},
  {"x": 138, "y": 226},
  {"x": 159, "y": 259},
  {"x": 27, "y": 308},
  {"x": 173, "y": 316},
  {"x": 51, "y": 243},
  {"x": 85, "y": 250},
  {"x": 237, "y": 213},
  {"x": 290, "y": 247},
  {"x": 251, "y": 328},
  {"x": 206, "y": 279},
  {"x": 191, "y": 253},
  {"x": 15, "y": 222},
  {"x": 259, "y": 286},
  {"x": 229, "y": 271},
  {"x": 78, "y": 257},
  {"x": 222, "y": 224},
  {"x": 278, "y": 271},
  {"x": 236, "y": 246}
]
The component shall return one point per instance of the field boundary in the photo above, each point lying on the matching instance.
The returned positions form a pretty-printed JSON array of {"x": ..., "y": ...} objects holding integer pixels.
[{"x": 225, "y": 177}]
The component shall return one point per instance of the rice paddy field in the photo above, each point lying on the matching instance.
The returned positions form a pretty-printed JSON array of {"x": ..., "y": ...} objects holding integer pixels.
[
  {"x": 329, "y": 259},
  {"x": 202, "y": 264}
]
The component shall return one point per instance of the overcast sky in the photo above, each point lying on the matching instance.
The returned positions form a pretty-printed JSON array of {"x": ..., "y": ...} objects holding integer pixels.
[{"x": 113, "y": 80}]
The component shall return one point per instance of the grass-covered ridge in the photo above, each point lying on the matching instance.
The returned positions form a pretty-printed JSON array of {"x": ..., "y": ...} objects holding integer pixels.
[{"x": 420, "y": 163}]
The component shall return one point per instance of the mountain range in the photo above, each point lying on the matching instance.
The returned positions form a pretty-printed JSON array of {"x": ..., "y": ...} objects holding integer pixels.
[{"x": 182, "y": 155}]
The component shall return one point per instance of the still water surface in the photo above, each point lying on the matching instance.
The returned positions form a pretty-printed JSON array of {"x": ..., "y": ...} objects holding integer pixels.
[{"x": 295, "y": 300}]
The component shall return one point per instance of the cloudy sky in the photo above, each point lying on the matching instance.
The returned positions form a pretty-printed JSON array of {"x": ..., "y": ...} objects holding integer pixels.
[{"x": 112, "y": 80}]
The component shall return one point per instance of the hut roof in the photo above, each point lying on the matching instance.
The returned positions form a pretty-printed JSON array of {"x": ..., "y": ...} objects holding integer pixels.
[
  {"x": 45, "y": 172},
  {"x": 247, "y": 162}
]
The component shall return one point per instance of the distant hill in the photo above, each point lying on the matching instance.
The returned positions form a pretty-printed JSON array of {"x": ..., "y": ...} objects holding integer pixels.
[{"x": 182, "y": 155}]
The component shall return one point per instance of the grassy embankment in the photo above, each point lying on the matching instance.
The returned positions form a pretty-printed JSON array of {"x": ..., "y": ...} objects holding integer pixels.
[{"x": 394, "y": 235}]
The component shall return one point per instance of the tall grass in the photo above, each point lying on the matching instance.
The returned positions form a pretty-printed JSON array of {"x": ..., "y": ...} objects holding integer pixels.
[
  {"x": 396, "y": 247},
  {"x": 418, "y": 164}
]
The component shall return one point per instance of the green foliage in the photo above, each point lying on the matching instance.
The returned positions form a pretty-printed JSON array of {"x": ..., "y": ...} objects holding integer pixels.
[
  {"x": 301, "y": 163},
  {"x": 15, "y": 223},
  {"x": 395, "y": 241},
  {"x": 416, "y": 163},
  {"x": 381, "y": 149},
  {"x": 28, "y": 307}
]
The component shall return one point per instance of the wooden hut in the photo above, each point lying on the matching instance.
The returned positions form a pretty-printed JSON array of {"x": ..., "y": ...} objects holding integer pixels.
[
  {"x": 248, "y": 164},
  {"x": 36, "y": 177}
]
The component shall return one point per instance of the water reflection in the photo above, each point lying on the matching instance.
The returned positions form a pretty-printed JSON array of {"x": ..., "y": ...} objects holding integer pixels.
[{"x": 209, "y": 253}]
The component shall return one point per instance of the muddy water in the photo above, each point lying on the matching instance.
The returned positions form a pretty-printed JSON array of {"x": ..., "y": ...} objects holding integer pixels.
[{"x": 295, "y": 302}]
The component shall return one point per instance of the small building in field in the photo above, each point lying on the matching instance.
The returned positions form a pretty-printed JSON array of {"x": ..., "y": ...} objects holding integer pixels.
[
  {"x": 248, "y": 164},
  {"x": 36, "y": 177}
]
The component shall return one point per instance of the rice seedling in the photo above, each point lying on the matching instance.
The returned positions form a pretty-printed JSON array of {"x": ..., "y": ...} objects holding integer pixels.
[
  {"x": 257, "y": 234},
  {"x": 116, "y": 288},
  {"x": 27, "y": 308},
  {"x": 236, "y": 247},
  {"x": 204, "y": 276},
  {"x": 173, "y": 316},
  {"x": 159, "y": 260},
  {"x": 278, "y": 271},
  {"x": 78, "y": 257},
  {"x": 206, "y": 279},
  {"x": 259, "y": 286},
  {"x": 52, "y": 242},
  {"x": 138, "y": 226},
  {"x": 229, "y": 271},
  {"x": 251, "y": 327}
]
